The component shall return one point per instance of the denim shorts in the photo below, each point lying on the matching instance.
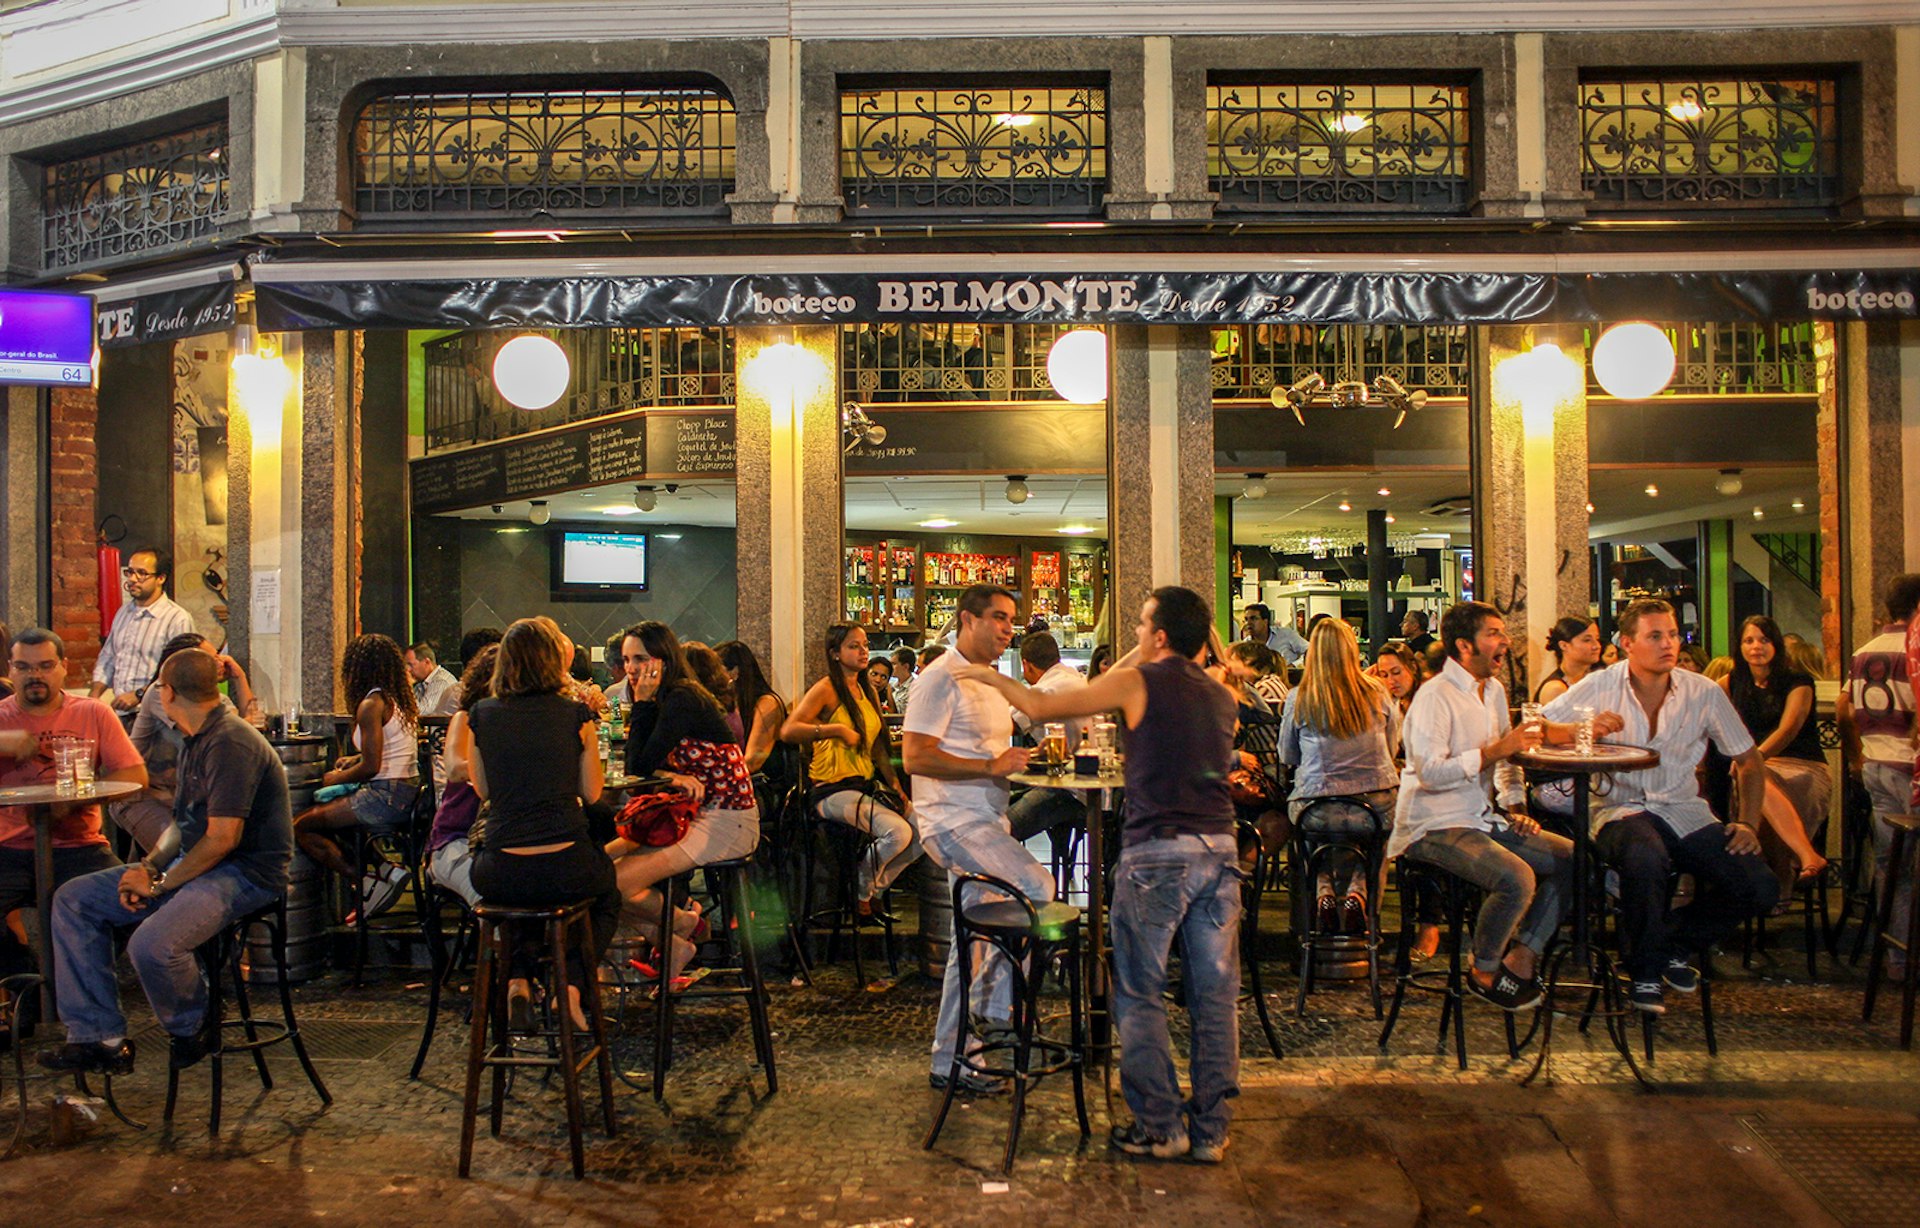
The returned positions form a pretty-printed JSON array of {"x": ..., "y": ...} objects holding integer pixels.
[{"x": 385, "y": 805}]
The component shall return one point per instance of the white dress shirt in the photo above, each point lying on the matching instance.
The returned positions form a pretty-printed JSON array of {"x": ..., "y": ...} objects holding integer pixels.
[
  {"x": 1444, "y": 783},
  {"x": 1284, "y": 640},
  {"x": 1694, "y": 710},
  {"x": 970, "y": 720},
  {"x": 1059, "y": 677},
  {"x": 131, "y": 656},
  {"x": 438, "y": 694}
]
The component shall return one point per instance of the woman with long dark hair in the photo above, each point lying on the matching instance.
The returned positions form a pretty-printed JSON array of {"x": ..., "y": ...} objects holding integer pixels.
[
  {"x": 384, "y": 770},
  {"x": 1775, "y": 702},
  {"x": 1341, "y": 730},
  {"x": 678, "y": 731},
  {"x": 711, "y": 672},
  {"x": 536, "y": 762},
  {"x": 1575, "y": 644},
  {"x": 852, "y": 773},
  {"x": 761, "y": 709}
]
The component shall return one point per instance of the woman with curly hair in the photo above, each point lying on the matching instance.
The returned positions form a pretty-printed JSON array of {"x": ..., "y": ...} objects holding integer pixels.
[{"x": 383, "y": 773}]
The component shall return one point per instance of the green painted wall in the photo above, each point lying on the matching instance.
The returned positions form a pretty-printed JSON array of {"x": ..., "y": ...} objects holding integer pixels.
[{"x": 1223, "y": 565}]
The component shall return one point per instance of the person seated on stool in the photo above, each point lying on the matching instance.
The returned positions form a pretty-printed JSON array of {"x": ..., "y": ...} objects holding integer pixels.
[
  {"x": 1459, "y": 745},
  {"x": 236, "y": 842},
  {"x": 1775, "y": 703},
  {"x": 1655, "y": 821},
  {"x": 147, "y": 816}
]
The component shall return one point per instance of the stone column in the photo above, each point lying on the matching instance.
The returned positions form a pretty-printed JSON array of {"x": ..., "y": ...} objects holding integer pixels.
[
  {"x": 327, "y": 547},
  {"x": 787, "y": 496},
  {"x": 1530, "y": 488},
  {"x": 1876, "y": 487},
  {"x": 73, "y": 508},
  {"x": 1159, "y": 465}
]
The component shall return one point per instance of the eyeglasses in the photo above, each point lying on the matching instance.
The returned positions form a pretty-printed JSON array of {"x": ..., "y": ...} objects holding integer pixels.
[
  {"x": 34, "y": 667},
  {"x": 134, "y": 573}
]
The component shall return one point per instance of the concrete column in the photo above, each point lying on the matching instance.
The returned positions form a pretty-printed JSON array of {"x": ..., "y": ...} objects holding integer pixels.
[
  {"x": 1160, "y": 464},
  {"x": 1531, "y": 489},
  {"x": 1910, "y": 437},
  {"x": 23, "y": 544},
  {"x": 787, "y": 496},
  {"x": 1877, "y": 487}
]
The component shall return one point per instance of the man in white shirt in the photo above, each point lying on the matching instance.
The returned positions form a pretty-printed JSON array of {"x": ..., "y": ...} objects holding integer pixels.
[
  {"x": 1459, "y": 745},
  {"x": 1258, "y": 626},
  {"x": 1041, "y": 810},
  {"x": 141, "y": 628},
  {"x": 1655, "y": 822},
  {"x": 902, "y": 685},
  {"x": 957, "y": 746},
  {"x": 435, "y": 691}
]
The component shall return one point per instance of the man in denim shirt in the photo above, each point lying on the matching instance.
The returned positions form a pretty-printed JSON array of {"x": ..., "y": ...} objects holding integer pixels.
[{"x": 1178, "y": 877}]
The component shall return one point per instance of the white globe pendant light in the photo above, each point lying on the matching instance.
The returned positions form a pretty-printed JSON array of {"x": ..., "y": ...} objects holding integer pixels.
[
  {"x": 1077, "y": 365},
  {"x": 532, "y": 372},
  {"x": 1633, "y": 361}
]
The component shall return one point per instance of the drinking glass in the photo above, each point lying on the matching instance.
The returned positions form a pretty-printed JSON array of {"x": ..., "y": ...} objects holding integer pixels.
[
  {"x": 1531, "y": 713},
  {"x": 293, "y": 717},
  {"x": 1053, "y": 747},
  {"x": 1583, "y": 731},
  {"x": 64, "y": 754},
  {"x": 81, "y": 751}
]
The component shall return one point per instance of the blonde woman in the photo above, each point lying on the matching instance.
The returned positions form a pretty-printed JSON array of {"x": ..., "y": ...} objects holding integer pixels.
[{"x": 1340, "y": 731}]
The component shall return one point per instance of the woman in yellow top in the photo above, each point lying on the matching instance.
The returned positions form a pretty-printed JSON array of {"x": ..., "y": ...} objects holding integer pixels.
[{"x": 852, "y": 775}]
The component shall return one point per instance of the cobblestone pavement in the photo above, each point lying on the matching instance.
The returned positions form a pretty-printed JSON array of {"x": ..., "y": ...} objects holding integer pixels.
[{"x": 1805, "y": 1117}]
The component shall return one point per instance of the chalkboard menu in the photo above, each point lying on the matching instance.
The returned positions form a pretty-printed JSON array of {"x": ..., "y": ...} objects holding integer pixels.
[
  {"x": 591, "y": 454},
  {"x": 992, "y": 441}
]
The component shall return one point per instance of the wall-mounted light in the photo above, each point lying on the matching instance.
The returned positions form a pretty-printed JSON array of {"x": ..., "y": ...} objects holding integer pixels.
[
  {"x": 537, "y": 512},
  {"x": 1077, "y": 365},
  {"x": 1017, "y": 491},
  {"x": 858, "y": 428},
  {"x": 261, "y": 383},
  {"x": 532, "y": 371},
  {"x": 1633, "y": 361},
  {"x": 1313, "y": 389}
]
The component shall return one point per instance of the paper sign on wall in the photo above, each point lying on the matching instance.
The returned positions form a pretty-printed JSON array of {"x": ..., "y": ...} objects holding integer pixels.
[{"x": 266, "y": 602}]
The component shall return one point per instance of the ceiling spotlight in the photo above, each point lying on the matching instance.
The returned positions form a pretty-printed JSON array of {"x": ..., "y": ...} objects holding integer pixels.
[
  {"x": 1759, "y": 513},
  {"x": 1256, "y": 487},
  {"x": 858, "y": 428},
  {"x": 537, "y": 512},
  {"x": 1799, "y": 505},
  {"x": 1075, "y": 530},
  {"x": 1728, "y": 483},
  {"x": 496, "y": 509},
  {"x": 938, "y": 522},
  {"x": 1395, "y": 394},
  {"x": 1383, "y": 492},
  {"x": 1389, "y": 517},
  {"x": 1313, "y": 389},
  {"x": 645, "y": 498},
  {"x": 1589, "y": 507},
  {"x": 1017, "y": 491},
  {"x": 1302, "y": 391},
  {"x": 1653, "y": 492},
  {"x": 1345, "y": 506}
]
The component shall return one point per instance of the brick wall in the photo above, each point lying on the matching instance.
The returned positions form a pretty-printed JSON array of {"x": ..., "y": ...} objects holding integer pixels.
[{"x": 75, "y": 485}]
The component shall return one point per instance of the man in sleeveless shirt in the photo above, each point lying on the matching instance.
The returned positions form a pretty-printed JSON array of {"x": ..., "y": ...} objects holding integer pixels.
[{"x": 1178, "y": 877}]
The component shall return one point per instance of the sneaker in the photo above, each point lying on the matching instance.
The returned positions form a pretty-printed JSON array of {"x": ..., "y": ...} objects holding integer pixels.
[
  {"x": 1209, "y": 1153},
  {"x": 970, "y": 1084},
  {"x": 381, "y": 889},
  {"x": 1647, "y": 996},
  {"x": 1135, "y": 1141},
  {"x": 90, "y": 1057},
  {"x": 1508, "y": 992},
  {"x": 1681, "y": 976}
]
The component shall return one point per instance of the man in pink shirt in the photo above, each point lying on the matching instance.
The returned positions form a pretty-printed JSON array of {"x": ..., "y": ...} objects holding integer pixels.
[{"x": 39, "y": 709}]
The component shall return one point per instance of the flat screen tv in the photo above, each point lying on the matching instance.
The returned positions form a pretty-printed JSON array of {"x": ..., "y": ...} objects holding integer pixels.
[
  {"x": 46, "y": 338},
  {"x": 594, "y": 564}
]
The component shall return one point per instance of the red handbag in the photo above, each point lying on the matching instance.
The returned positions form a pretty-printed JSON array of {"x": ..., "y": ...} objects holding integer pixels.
[{"x": 655, "y": 820}]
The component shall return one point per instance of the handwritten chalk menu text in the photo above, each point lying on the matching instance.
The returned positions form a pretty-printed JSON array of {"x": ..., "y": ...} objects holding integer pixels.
[
  {"x": 592, "y": 454},
  {"x": 690, "y": 444}
]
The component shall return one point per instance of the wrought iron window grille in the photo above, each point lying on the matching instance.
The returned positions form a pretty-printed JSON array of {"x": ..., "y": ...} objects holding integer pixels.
[
  {"x": 614, "y": 370},
  {"x": 1253, "y": 361},
  {"x": 1711, "y": 142},
  {"x": 566, "y": 154},
  {"x": 1305, "y": 147},
  {"x": 960, "y": 150},
  {"x": 136, "y": 199},
  {"x": 1735, "y": 358},
  {"x": 893, "y": 363}
]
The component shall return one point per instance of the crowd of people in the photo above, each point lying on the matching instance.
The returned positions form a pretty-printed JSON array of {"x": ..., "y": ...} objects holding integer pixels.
[{"x": 1417, "y": 749}]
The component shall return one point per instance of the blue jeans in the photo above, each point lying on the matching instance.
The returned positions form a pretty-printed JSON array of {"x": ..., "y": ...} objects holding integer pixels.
[
  {"x": 1185, "y": 889},
  {"x": 87, "y": 910},
  {"x": 980, "y": 848}
]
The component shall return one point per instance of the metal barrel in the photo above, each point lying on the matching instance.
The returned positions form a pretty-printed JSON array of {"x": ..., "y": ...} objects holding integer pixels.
[
  {"x": 936, "y": 918},
  {"x": 306, "y": 761}
]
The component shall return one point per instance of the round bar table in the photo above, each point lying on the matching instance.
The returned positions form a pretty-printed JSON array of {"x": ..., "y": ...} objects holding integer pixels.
[
  {"x": 41, "y": 801},
  {"x": 1098, "y": 793},
  {"x": 1595, "y": 966}
]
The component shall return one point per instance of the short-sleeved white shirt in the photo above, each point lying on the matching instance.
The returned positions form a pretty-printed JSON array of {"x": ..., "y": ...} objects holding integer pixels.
[{"x": 971, "y": 721}]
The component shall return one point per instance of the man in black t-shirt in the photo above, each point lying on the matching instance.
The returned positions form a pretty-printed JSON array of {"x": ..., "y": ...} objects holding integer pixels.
[{"x": 235, "y": 842}]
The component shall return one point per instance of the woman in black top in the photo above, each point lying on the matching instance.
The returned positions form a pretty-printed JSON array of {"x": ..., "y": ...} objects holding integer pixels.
[
  {"x": 1575, "y": 644},
  {"x": 536, "y": 758},
  {"x": 1775, "y": 702}
]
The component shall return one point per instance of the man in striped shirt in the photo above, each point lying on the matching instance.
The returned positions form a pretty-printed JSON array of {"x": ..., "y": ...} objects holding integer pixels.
[{"x": 131, "y": 655}]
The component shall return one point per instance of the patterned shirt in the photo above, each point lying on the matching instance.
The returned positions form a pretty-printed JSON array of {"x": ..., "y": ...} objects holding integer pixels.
[
  {"x": 131, "y": 656},
  {"x": 1881, "y": 692}
]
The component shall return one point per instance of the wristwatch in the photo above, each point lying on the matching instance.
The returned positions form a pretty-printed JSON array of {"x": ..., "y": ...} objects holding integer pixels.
[{"x": 156, "y": 879}]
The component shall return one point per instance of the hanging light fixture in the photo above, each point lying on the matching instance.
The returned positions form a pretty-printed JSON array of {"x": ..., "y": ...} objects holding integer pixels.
[
  {"x": 1077, "y": 365},
  {"x": 1633, "y": 361},
  {"x": 1017, "y": 491},
  {"x": 1313, "y": 389},
  {"x": 537, "y": 512},
  {"x": 1729, "y": 483},
  {"x": 645, "y": 498},
  {"x": 532, "y": 371},
  {"x": 1256, "y": 487}
]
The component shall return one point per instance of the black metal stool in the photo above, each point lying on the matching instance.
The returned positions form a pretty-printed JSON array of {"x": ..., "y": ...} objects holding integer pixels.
[
  {"x": 445, "y": 960},
  {"x": 1901, "y": 859},
  {"x": 1252, "y": 889},
  {"x": 560, "y": 926},
  {"x": 1311, "y": 852},
  {"x": 847, "y": 845},
  {"x": 1029, "y": 936},
  {"x": 222, "y": 956},
  {"x": 1458, "y": 898},
  {"x": 732, "y": 925}
]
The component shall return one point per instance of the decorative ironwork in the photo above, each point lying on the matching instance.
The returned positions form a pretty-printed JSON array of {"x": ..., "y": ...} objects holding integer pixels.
[
  {"x": 1347, "y": 146},
  {"x": 1018, "y": 150},
  {"x": 135, "y": 199},
  {"x": 1718, "y": 359},
  {"x": 1251, "y": 360},
  {"x": 554, "y": 153},
  {"x": 883, "y": 363},
  {"x": 1711, "y": 141},
  {"x": 614, "y": 370}
]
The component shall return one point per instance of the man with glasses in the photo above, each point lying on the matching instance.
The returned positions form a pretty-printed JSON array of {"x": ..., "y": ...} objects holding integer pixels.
[
  {"x": 39, "y": 710},
  {"x": 131, "y": 655}
]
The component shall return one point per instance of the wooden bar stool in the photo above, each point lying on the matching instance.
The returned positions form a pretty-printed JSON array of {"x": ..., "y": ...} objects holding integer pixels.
[
  {"x": 492, "y": 1045},
  {"x": 1900, "y": 859}
]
